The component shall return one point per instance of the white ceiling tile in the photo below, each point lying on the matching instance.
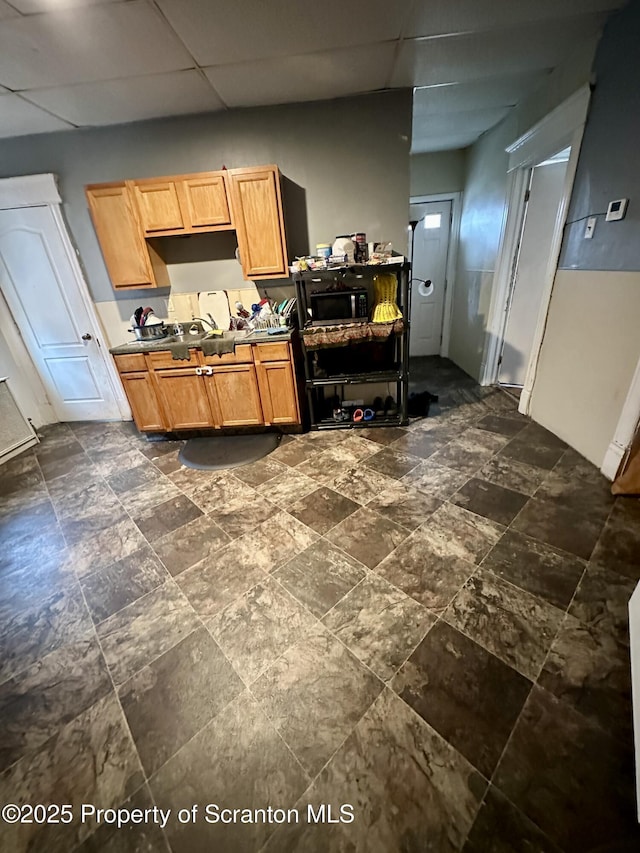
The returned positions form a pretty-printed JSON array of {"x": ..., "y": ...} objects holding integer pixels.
[
  {"x": 437, "y": 17},
  {"x": 133, "y": 99},
  {"x": 429, "y": 144},
  {"x": 30, "y": 7},
  {"x": 478, "y": 94},
  {"x": 457, "y": 59},
  {"x": 82, "y": 45},
  {"x": 6, "y": 11},
  {"x": 311, "y": 77},
  {"x": 229, "y": 31},
  {"x": 18, "y": 118},
  {"x": 472, "y": 122}
]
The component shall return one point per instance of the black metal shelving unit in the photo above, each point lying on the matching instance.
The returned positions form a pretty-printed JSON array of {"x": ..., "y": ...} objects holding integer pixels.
[{"x": 396, "y": 371}]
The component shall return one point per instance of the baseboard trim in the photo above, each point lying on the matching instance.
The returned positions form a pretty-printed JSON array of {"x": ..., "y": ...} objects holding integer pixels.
[{"x": 612, "y": 459}]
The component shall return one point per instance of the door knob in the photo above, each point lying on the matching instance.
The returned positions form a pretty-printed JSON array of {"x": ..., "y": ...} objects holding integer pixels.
[{"x": 86, "y": 337}]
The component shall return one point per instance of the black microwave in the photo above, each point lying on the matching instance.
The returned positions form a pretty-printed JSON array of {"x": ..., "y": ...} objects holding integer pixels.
[{"x": 339, "y": 306}]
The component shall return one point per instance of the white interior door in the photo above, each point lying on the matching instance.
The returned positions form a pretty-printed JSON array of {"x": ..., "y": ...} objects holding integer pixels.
[
  {"x": 44, "y": 296},
  {"x": 430, "y": 251},
  {"x": 545, "y": 195}
]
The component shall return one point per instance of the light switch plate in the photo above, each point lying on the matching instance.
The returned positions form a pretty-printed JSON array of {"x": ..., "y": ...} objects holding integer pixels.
[
  {"x": 616, "y": 209},
  {"x": 590, "y": 227}
]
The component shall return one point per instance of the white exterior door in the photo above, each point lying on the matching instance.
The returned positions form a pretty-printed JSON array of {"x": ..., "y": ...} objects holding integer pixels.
[
  {"x": 430, "y": 252},
  {"x": 43, "y": 294}
]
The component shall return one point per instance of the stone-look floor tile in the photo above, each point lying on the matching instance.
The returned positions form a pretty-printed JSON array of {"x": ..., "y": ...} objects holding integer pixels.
[
  {"x": 535, "y": 567},
  {"x": 123, "y": 582},
  {"x": 618, "y": 548},
  {"x": 190, "y": 479},
  {"x": 556, "y": 525},
  {"x": 233, "y": 505},
  {"x": 602, "y": 602},
  {"x": 287, "y": 488},
  {"x": 455, "y": 530},
  {"x": 132, "y": 478},
  {"x": 361, "y": 484},
  {"x": 491, "y": 501},
  {"x": 382, "y": 436},
  {"x": 137, "y": 634},
  {"x": 273, "y": 542},
  {"x": 329, "y": 464},
  {"x": 294, "y": 452},
  {"x": 219, "y": 579},
  {"x": 172, "y": 698},
  {"x": 405, "y": 505},
  {"x": 80, "y": 531},
  {"x": 468, "y": 695},
  {"x": 32, "y": 549},
  {"x": 259, "y": 472},
  {"x": 320, "y": 576},
  {"x": 428, "y": 570},
  {"x": 590, "y": 496},
  {"x": 29, "y": 635},
  {"x": 379, "y": 624},
  {"x": 502, "y": 828},
  {"x": 101, "y": 436},
  {"x": 512, "y": 474},
  {"x": 94, "y": 499},
  {"x": 257, "y": 628},
  {"x": 167, "y": 463},
  {"x": 393, "y": 462},
  {"x": 22, "y": 471},
  {"x": 367, "y": 536},
  {"x": 512, "y": 624},
  {"x": 237, "y": 761},
  {"x": 64, "y": 459},
  {"x": 435, "y": 480},
  {"x": 146, "y": 837},
  {"x": 502, "y": 424},
  {"x": 590, "y": 671},
  {"x": 28, "y": 587},
  {"x": 314, "y": 695},
  {"x": 90, "y": 760},
  {"x": 106, "y": 547},
  {"x": 424, "y": 443},
  {"x": 471, "y": 451},
  {"x": 534, "y": 445},
  {"x": 410, "y": 789},
  {"x": 16, "y": 496},
  {"x": 159, "y": 520},
  {"x": 323, "y": 509},
  {"x": 146, "y": 497},
  {"x": 191, "y": 543},
  {"x": 550, "y": 772},
  {"x": 111, "y": 460},
  {"x": 50, "y": 693},
  {"x": 38, "y": 518},
  {"x": 156, "y": 450}
]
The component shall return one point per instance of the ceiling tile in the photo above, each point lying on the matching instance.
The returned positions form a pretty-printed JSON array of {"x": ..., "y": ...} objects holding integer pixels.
[
  {"x": 82, "y": 45},
  {"x": 30, "y": 7},
  {"x": 133, "y": 99},
  {"x": 6, "y": 11},
  {"x": 228, "y": 31},
  {"x": 18, "y": 118},
  {"x": 457, "y": 59},
  {"x": 478, "y": 94},
  {"x": 429, "y": 144},
  {"x": 437, "y": 17},
  {"x": 311, "y": 77},
  {"x": 472, "y": 121}
]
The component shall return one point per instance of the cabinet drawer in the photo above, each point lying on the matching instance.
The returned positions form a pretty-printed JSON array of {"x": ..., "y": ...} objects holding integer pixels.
[
  {"x": 242, "y": 355},
  {"x": 273, "y": 352},
  {"x": 164, "y": 360},
  {"x": 130, "y": 362}
]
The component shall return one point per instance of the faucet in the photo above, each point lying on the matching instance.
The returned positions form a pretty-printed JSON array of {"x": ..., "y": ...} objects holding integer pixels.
[{"x": 210, "y": 322}]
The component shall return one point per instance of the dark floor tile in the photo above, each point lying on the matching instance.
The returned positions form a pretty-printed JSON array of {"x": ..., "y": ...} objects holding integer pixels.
[
  {"x": 59, "y": 459},
  {"x": 90, "y": 760},
  {"x": 464, "y": 533},
  {"x": 157, "y": 450},
  {"x": 393, "y": 462},
  {"x": 320, "y": 576},
  {"x": 569, "y": 777},
  {"x": 618, "y": 548},
  {"x": 154, "y": 523},
  {"x": 191, "y": 543},
  {"x": 384, "y": 436},
  {"x": 361, "y": 484},
  {"x": 287, "y": 488},
  {"x": 27, "y": 587},
  {"x": 133, "y": 478},
  {"x": 166, "y": 463},
  {"x": 259, "y": 472},
  {"x": 538, "y": 568},
  {"x": 470, "y": 451},
  {"x": 491, "y": 501},
  {"x": 314, "y": 695},
  {"x": 513, "y": 625},
  {"x": 502, "y": 424},
  {"x": 535, "y": 446},
  {"x": 512, "y": 474},
  {"x": 502, "y": 828},
  {"x": 556, "y": 525},
  {"x": 235, "y": 506},
  {"x": 190, "y": 479},
  {"x": 405, "y": 505},
  {"x": 37, "y": 703},
  {"x": 272, "y": 543},
  {"x": 145, "y": 837},
  {"x": 323, "y": 509},
  {"x": 172, "y": 698},
  {"x": 602, "y": 602},
  {"x": 39, "y": 518},
  {"x": 237, "y": 761},
  {"x": 367, "y": 536},
  {"x": 123, "y": 582},
  {"x": 589, "y": 496},
  {"x": 468, "y": 695},
  {"x": 148, "y": 496},
  {"x": 106, "y": 546},
  {"x": 219, "y": 579},
  {"x": 435, "y": 479},
  {"x": 110, "y": 460}
]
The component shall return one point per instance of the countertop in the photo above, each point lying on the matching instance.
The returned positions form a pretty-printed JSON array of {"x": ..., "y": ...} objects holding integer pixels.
[{"x": 170, "y": 342}]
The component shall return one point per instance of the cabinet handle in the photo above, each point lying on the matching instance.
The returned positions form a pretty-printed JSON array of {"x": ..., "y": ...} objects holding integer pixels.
[
  {"x": 209, "y": 371},
  {"x": 198, "y": 371}
]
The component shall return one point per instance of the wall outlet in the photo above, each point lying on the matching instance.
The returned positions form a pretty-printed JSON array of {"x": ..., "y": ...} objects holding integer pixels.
[{"x": 590, "y": 227}]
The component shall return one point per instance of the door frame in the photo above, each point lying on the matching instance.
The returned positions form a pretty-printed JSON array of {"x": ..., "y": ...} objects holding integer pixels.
[
  {"x": 42, "y": 191},
  {"x": 625, "y": 429},
  {"x": 452, "y": 259},
  {"x": 562, "y": 127}
]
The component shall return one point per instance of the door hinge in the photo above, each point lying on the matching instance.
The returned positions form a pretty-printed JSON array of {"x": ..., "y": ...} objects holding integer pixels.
[{"x": 527, "y": 196}]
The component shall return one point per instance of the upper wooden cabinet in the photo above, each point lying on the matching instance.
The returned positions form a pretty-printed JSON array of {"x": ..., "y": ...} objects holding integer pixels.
[
  {"x": 204, "y": 200},
  {"x": 158, "y": 206},
  {"x": 183, "y": 204},
  {"x": 258, "y": 218}
]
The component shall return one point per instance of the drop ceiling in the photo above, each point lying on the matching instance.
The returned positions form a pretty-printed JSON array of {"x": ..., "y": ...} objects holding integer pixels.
[{"x": 86, "y": 63}]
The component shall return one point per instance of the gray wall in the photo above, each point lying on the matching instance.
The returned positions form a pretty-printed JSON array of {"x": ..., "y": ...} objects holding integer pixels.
[
  {"x": 349, "y": 156},
  {"x": 439, "y": 172},
  {"x": 608, "y": 166}
]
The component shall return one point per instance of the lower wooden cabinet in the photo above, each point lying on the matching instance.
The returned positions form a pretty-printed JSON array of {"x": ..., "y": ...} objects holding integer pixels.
[
  {"x": 233, "y": 391},
  {"x": 278, "y": 393},
  {"x": 145, "y": 407},
  {"x": 185, "y": 403}
]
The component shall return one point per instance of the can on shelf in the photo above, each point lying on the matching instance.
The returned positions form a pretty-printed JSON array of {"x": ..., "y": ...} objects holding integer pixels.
[
  {"x": 323, "y": 250},
  {"x": 361, "y": 251}
]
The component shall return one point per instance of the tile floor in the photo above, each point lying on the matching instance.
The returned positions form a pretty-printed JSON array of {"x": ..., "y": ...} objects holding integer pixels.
[{"x": 427, "y": 623}]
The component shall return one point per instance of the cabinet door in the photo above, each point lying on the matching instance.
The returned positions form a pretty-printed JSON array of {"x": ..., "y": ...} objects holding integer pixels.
[
  {"x": 278, "y": 393},
  {"x": 145, "y": 406},
  {"x": 257, "y": 215},
  {"x": 159, "y": 206},
  {"x": 184, "y": 398},
  {"x": 234, "y": 394},
  {"x": 204, "y": 201},
  {"x": 123, "y": 247}
]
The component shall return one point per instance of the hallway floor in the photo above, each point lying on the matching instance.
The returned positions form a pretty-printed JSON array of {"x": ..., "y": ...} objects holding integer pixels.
[{"x": 428, "y": 624}]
